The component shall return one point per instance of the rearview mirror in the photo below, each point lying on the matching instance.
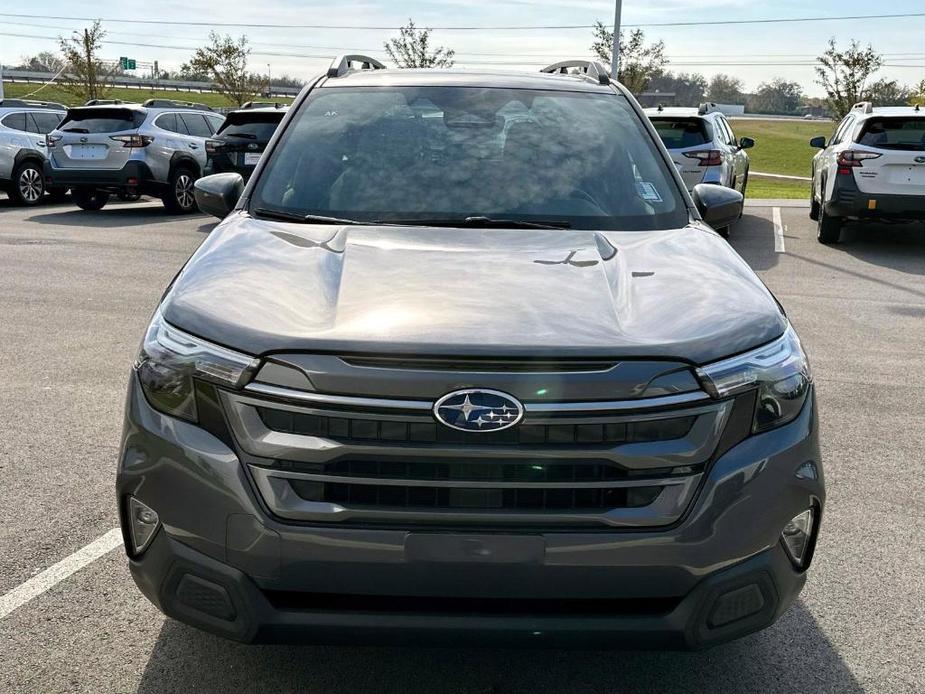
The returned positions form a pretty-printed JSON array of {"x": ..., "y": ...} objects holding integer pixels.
[
  {"x": 719, "y": 206},
  {"x": 746, "y": 143},
  {"x": 219, "y": 193},
  {"x": 818, "y": 142}
]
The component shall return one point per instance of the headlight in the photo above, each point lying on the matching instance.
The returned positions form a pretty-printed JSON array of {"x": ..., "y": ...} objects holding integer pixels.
[
  {"x": 170, "y": 359},
  {"x": 779, "y": 371}
]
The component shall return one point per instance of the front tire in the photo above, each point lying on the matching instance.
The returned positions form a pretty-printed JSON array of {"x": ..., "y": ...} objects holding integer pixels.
[
  {"x": 89, "y": 199},
  {"x": 179, "y": 197},
  {"x": 28, "y": 184},
  {"x": 828, "y": 230}
]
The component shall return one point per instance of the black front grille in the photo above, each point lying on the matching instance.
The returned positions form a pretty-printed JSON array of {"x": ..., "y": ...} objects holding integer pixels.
[
  {"x": 366, "y": 431},
  {"x": 474, "y": 499},
  {"x": 421, "y": 604}
]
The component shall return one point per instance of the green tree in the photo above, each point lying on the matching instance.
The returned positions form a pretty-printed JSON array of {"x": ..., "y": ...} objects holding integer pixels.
[
  {"x": 777, "y": 97},
  {"x": 639, "y": 62},
  {"x": 688, "y": 89},
  {"x": 842, "y": 74},
  {"x": 725, "y": 89},
  {"x": 917, "y": 97},
  {"x": 412, "y": 49},
  {"x": 224, "y": 61},
  {"x": 886, "y": 92},
  {"x": 87, "y": 75}
]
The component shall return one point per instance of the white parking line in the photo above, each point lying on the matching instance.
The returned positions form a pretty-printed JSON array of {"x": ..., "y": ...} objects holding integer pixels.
[
  {"x": 779, "y": 246},
  {"x": 53, "y": 575}
]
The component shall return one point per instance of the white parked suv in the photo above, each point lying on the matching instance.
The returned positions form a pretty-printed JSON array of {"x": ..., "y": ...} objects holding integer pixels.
[
  {"x": 155, "y": 148},
  {"x": 872, "y": 168},
  {"x": 23, "y": 127},
  {"x": 703, "y": 147}
]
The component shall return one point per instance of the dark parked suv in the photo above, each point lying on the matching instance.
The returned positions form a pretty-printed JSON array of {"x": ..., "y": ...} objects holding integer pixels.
[
  {"x": 465, "y": 361},
  {"x": 239, "y": 143}
]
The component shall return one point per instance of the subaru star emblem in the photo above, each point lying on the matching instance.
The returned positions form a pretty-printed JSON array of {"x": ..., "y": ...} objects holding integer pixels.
[
  {"x": 83, "y": 139},
  {"x": 478, "y": 410},
  {"x": 252, "y": 146},
  {"x": 920, "y": 160}
]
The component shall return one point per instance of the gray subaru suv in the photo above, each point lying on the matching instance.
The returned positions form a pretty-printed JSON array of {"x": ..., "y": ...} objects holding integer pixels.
[
  {"x": 155, "y": 148},
  {"x": 464, "y": 361}
]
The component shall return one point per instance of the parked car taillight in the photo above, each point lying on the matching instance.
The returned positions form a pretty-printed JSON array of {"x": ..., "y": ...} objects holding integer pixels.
[
  {"x": 213, "y": 146},
  {"x": 851, "y": 159},
  {"x": 706, "y": 157},
  {"x": 133, "y": 140},
  {"x": 52, "y": 140}
]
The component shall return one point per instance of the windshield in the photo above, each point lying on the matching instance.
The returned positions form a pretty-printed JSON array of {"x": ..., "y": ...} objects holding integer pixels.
[
  {"x": 410, "y": 154},
  {"x": 100, "y": 120},
  {"x": 680, "y": 133},
  {"x": 254, "y": 126},
  {"x": 894, "y": 133}
]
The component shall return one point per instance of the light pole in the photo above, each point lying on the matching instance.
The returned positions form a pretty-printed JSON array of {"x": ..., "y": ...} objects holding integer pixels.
[
  {"x": 269, "y": 83},
  {"x": 615, "y": 60}
]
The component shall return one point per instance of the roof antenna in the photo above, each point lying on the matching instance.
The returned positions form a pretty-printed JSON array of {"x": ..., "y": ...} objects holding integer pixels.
[{"x": 660, "y": 108}]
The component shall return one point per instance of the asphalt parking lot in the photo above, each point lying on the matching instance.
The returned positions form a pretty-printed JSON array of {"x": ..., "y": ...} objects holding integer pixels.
[{"x": 76, "y": 290}]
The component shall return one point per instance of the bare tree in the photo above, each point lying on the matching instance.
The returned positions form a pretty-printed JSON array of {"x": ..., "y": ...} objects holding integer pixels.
[
  {"x": 224, "y": 61},
  {"x": 918, "y": 95},
  {"x": 87, "y": 76},
  {"x": 639, "y": 62},
  {"x": 46, "y": 61},
  {"x": 412, "y": 49},
  {"x": 843, "y": 74}
]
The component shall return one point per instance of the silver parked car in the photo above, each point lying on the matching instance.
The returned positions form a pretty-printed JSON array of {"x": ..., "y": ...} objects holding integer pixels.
[
  {"x": 23, "y": 127},
  {"x": 703, "y": 147},
  {"x": 155, "y": 148}
]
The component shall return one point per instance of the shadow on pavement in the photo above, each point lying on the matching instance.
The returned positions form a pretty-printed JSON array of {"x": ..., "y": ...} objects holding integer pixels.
[
  {"x": 792, "y": 656},
  {"x": 897, "y": 246},
  {"x": 115, "y": 214},
  {"x": 752, "y": 237}
]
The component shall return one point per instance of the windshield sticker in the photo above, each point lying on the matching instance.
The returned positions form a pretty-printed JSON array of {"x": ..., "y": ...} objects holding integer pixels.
[{"x": 647, "y": 191}]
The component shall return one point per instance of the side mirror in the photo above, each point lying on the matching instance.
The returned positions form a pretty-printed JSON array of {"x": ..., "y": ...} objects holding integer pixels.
[
  {"x": 219, "y": 193},
  {"x": 818, "y": 142},
  {"x": 719, "y": 206},
  {"x": 746, "y": 143}
]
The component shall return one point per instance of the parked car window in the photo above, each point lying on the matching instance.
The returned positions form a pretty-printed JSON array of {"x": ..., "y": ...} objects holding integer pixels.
[
  {"x": 894, "y": 133},
  {"x": 732, "y": 135},
  {"x": 842, "y": 130},
  {"x": 215, "y": 123},
  {"x": 678, "y": 133},
  {"x": 46, "y": 122},
  {"x": 101, "y": 120},
  {"x": 15, "y": 121},
  {"x": 195, "y": 124},
  {"x": 413, "y": 153},
  {"x": 167, "y": 121},
  {"x": 253, "y": 126}
]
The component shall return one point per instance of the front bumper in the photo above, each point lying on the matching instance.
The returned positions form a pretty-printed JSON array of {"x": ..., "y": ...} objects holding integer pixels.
[
  {"x": 847, "y": 200},
  {"x": 222, "y": 563},
  {"x": 135, "y": 174}
]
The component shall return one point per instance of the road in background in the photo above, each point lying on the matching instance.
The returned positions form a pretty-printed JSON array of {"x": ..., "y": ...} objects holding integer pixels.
[{"x": 76, "y": 290}]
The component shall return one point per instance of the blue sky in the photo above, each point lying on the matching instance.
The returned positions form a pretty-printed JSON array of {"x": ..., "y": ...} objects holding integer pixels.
[{"x": 702, "y": 49}]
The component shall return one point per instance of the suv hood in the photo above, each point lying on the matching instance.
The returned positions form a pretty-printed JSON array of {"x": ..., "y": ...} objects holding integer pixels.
[{"x": 258, "y": 286}]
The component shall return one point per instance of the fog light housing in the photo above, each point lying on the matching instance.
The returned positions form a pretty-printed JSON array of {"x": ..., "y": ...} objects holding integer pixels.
[
  {"x": 797, "y": 535},
  {"x": 143, "y": 523}
]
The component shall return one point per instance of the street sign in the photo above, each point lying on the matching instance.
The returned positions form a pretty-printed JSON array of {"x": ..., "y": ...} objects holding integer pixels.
[{"x": 127, "y": 63}]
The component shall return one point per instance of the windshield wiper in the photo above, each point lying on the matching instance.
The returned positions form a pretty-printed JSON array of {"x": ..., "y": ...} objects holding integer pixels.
[
  {"x": 246, "y": 136},
  {"x": 304, "y": 218},
  {"x": 481, "y": 222},
  {"x": 75, "y": 130}
]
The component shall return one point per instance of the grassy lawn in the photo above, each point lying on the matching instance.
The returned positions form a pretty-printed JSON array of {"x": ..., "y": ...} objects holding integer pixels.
[
  {"x": 782, "y": 147},
  {"x": 53, "y": 93},
  {"x": 775, "y": 188}
]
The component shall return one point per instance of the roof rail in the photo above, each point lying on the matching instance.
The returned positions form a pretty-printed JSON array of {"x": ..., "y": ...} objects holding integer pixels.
[
  {"x": 29, "y": 103},
  {"x": 708, "y": 107},
  {"x": 343, "y": 64},
  {"x": 171, "y": 103},
  {"x": 104, "y": 102},
  {"x": 863, "y": 107},
  {"x": 261, "y": 104},
  {"x": 591, "y": 68}
]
